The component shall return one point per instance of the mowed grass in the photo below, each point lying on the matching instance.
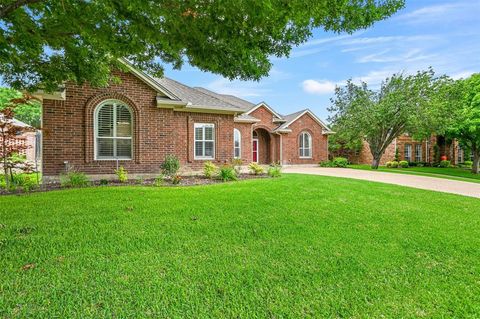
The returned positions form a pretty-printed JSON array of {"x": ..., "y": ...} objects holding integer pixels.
[
  {"x": 297, "y": 246},
  {"x": 462, "y": 174}
]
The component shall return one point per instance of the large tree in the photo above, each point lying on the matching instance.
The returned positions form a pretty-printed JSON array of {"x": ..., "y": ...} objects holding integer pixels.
[
  {"x": 401, "y": 104},
  {"x": 466, "y": 128},
  {"x": 49, "y": 41},
  {"x": 29, "y": 112}
]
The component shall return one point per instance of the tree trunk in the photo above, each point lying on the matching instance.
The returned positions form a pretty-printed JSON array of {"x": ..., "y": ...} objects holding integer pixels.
[
  {"x": 476, "y": 161},
  {"x": 376, "y": 162}
]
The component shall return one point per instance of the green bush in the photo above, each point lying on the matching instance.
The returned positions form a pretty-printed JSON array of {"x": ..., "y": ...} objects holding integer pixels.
[
  {"x": 122, "y": 174},
  {"x": 159, "y": 180},
  {"x": 468, "y": 164},
  {"x": 444, "y": 164},
  {"x": 74, "y": 179},
  {"x": 170, "y": 165},
  {"x": 26, "y": 182},
  {"x": 103, "y": 182},
  {"x": 403, "y": 164},
  {"x": 326, "y": 164},
  {"x": 340, "y": 162},
  {"x": 209, "y": 169},
  {"x": 275, "y": 170},
  {"x": 388, "y": 164},
  {"x": 255, "y": 169},
  {"x": 393, "y": 164},
  {"x": 227, "y": 173}
]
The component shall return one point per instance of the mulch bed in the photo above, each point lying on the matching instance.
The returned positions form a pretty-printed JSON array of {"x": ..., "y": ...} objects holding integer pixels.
[{"x": 185, "y": 181}]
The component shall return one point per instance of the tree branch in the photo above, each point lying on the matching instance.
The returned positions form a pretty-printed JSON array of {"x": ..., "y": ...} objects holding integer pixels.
[{"x": 7, "y": 9}]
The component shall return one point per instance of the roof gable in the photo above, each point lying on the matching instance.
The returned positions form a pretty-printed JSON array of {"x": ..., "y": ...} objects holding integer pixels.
[
  {"x": 266, "y": 106},
  {"x": 297, "y": 115}
]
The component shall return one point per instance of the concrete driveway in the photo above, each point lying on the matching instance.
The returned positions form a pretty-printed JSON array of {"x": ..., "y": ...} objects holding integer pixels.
[{"x": 415, "y": 181}]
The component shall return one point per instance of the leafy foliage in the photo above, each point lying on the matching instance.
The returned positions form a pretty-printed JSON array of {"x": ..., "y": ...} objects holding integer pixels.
[
  {"x": 47, "y": 42},
  {"x": 74, "y": 179},
  {"x": 28, "y": 111},
  {"x": 227, "y": 173},
  {"x": 403, "y": 164},
  {"x": 392, "y": 164},
  {"x": 159, "y": 180},
  {"x": 340, "y": 162},
  {"x": 209, "y": 169},
  {"x": 401, "y": 103},
  {"x": 466, "y": 127},
  {"x": 444, "y": 164},
  {"x": 170, "y": 165},
  {"x": 275, "y": 170},
  {"x": 255, "y": 169},
  {"x": 122, "y": 174},
  {"x": 176, "y": 179}
]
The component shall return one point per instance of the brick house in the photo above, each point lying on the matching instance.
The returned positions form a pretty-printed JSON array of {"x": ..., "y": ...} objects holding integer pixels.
[
  {"x": 412, "y": 150},
  {"x": 140, "y": 120}
]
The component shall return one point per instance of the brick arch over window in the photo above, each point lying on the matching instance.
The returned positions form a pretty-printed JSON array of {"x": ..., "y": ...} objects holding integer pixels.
[{"x": 90, "y": 107}]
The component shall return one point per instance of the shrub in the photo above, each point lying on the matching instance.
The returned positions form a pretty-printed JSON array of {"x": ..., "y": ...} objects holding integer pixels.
[
  {"x": 275, "y": 170},
  {"x": 176, "y": 179},
  {"x": 340, "y": 162},
  {"x": 227, "y": 173},
  {"x": 393, "y": 164},
  {"x": 209, "y": 169},
  {"x": 26, "y": 182},
  {"x": 74, "y": 179},
  {"x": 468, "y": 164},
  {"x": 388, "y": 164},
  {"x": 122, "y": 174},
  {"x": 103, "y": 182},
  {"x": 403, "y": 164},
  {"x": 170, "y": 165},
  {"x": 255, "y": 169},
  {"x": 158, "y": 180},
  {"x": 326, "y": 164},
  {"x": 444, "y": 164}
]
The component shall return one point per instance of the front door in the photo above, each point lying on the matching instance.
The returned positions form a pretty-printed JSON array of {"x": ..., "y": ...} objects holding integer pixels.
[{"x": 255, "y": 150}]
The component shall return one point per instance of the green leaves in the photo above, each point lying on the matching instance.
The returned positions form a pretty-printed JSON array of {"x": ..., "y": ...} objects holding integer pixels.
[{"x": 43, "y": 43}]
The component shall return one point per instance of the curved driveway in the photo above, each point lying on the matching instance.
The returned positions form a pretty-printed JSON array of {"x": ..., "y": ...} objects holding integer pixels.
[{"x": 416, "y": 181}]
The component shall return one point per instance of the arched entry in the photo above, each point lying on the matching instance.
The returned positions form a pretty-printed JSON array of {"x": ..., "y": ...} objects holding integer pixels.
[{"x": 261, "y": 146}]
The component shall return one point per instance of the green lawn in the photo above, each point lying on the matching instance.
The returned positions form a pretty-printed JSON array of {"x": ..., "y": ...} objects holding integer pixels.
[
  {"x": 462, "y": 174},
  {"x": 298, "y": 246}
]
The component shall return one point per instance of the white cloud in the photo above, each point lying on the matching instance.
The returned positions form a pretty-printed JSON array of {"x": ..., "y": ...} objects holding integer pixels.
[
  {"x": 442, "y": 13},
  {"x": 318, "y": 87},
  {"x": 414, "y": 54},
  {"x": 238, "y": 88},
  {"x": 462, "y": 75}
]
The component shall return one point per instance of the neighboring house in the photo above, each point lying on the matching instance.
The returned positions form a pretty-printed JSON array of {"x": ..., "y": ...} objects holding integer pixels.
[
  {"x": 415, "y": 151},
  {"x": 26, "y": 140},
  {"x": 140, "y": 120}
]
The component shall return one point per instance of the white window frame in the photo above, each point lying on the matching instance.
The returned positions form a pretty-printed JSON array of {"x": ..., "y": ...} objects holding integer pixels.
[
  {"x": 418, "y": 158},
  {"x": 310, "y": 148},
  {"x": 235, "y": 130},
  {"x": 96, "y": 137},
  {"x": 203, "y": 126},
  {"x": 409, "y": 157}
]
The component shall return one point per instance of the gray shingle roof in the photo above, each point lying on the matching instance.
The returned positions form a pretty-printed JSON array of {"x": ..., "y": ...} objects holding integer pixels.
[
  {"x": 194, "y": 97},
  {"x": 241, "y": 103}
]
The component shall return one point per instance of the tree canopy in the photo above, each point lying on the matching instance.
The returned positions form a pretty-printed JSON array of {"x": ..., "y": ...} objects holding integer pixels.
[
  {"x": 466, "y": 125},
  {"x": 403, "y": 103},
  {"x": 29, "y": 112},
  {"x": 46, "y": 42}
]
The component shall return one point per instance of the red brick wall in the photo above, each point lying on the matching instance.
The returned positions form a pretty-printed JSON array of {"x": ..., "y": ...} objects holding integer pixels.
[
  {"x": 69, "y": 136},
  {"x": 246, "y": 143},
  {"x": 290, "y": 141}
]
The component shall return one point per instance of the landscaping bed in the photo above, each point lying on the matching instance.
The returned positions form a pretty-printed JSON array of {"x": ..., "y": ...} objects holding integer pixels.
[{"x": 193, "y": 180}]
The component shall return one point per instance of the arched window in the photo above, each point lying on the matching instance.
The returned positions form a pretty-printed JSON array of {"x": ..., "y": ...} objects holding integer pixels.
[
  {"x": 305, "y": 145},
  {"x": 237, "y": 142},
  {"x": 113, "y": 131}
]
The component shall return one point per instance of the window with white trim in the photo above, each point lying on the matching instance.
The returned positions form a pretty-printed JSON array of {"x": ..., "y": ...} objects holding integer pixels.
[
  {"x": 418, "y": 152},
  {"x": 204, "y": 147},
  {"x": 237, "y": 142},
  {"x": 113, "y": 131},
  {"x": 408, "y": 153},
  {"x": 305, "y": 145}
]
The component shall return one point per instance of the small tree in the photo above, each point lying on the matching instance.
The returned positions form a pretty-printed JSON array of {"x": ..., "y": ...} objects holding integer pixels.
[
  {"x": 380, "y": 116},
  {"x": 9, "y": 131},
  {"x": 466, "y": 127}
]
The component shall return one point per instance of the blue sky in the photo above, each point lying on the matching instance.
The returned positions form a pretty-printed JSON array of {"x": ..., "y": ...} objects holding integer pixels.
[{"x": 444, "y": 34}]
